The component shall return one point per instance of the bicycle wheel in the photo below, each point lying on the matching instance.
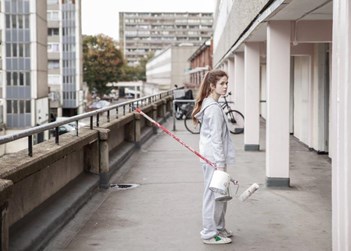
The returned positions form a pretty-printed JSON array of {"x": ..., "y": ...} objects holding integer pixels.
[
  {"x": 189, "y": 124},
  {"x": 236, "y": 121}
]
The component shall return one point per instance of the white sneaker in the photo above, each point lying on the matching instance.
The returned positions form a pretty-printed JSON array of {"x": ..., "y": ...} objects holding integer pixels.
[
  {"x": 225, "y": 233},
  {"x": 218, "y": 240}
]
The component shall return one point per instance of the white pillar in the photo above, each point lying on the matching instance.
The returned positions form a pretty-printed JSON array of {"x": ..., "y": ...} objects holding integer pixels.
[
  {"x": 252, "y": 97},
  {"x": 341, "y": 93},
  {"x": 239, "y": 84},
  {"x": 225, "y": 66},
  {"x": 230, "y": 72},
  {"x": 278, "y": 87}
]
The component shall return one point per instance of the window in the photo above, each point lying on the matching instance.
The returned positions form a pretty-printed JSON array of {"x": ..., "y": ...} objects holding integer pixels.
[
  {"x": 16, "y": 107},
  {"x": 53, "y": 64},
  {"x": 17, "y": 50},
  {"x": 27, "y": 50},
  {"x": 53, "y": 79},
  {"x": 53, "y": 47},
  {"x": 53, "y": 31},
  {"x": 17, "y": 78},
  {"x": 21, "y": 78},
  {"x": 27, "y": 79},
  {"x": 52, "y": 2},
  {"x": 53, "y": 16}
]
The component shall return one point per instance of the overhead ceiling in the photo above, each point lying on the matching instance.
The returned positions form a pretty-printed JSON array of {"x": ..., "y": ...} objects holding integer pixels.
[
  {"x": 305, "y": 10},
  {"x": 295, "y": 10}
]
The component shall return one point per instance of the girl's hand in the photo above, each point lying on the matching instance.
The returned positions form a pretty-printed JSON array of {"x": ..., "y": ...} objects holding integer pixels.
[{"x": 220, "y": 168}]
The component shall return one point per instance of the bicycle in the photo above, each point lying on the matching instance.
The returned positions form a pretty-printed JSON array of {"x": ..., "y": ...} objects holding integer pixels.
[{"x": 235, "y": 118}]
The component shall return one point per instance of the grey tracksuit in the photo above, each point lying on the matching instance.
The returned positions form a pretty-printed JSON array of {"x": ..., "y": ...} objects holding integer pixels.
[{"x": 215, "y": 145}]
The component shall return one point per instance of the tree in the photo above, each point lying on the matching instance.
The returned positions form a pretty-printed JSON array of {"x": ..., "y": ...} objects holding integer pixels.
[
  {"x": 101, "y": 63},
  {"x": 134, "y": 73}
]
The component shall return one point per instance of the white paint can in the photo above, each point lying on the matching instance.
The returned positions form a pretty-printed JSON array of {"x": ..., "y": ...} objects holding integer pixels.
[{"x": 220, "y": 182}]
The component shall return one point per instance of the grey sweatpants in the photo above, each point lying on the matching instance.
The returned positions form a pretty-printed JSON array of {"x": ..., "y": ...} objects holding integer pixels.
[{"x": 213, "y": 212}]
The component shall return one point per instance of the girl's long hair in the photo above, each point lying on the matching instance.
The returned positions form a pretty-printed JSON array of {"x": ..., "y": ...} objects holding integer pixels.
[{"x": 211, "y": 77}]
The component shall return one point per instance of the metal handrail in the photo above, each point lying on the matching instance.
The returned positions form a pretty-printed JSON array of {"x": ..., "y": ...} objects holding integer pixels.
[{"x": 55, "y": 125}]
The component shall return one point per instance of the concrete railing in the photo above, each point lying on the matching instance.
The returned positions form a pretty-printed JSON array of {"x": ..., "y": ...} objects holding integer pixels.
[{"x": 31, "y": 183}]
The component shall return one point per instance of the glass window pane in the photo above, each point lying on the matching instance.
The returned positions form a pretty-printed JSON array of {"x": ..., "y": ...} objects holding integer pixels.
[
  {"x": 26, "y": 21},
  {"x": 15, "y": 78},
  {"x": 8, "y": 21},
  {"x": 28, "y": 106},
  {"x": 8, "y": 78},
  {"x": 21, "y": 103},
  {"x": 21, "y": 78},
  {"x": 28, "y": 78},
  {"x": 8, "y": 50},
  {"x": 9, "y": 106},
  {"x": 20, "y": 21},
  {"x": 15, "y": 107},
  {"x": 14, "y": 21},
  {"x": 20, "y": 50},
  {"x": 14, "y": 50},
  {"x": 27, "y": 50}
]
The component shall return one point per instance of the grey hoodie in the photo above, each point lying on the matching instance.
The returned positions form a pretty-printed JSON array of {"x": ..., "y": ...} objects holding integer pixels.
[{"x": 215, "y": 142}]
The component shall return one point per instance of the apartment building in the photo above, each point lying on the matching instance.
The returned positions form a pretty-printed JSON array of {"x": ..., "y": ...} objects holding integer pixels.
[
  {"x": 65, "y": 57},
  {"x": 143, "y": 32},
  {"x": 169, "y": 67},
  {"x": 23, "y": 64},
  {"x": 200, "y": 63}
]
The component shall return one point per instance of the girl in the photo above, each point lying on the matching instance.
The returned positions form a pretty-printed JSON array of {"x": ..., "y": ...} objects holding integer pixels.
[{"x": 215, "y": 145}]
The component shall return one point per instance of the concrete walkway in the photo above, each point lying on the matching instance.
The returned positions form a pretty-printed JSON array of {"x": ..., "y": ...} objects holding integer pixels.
[{"x": 164, "y": 211}]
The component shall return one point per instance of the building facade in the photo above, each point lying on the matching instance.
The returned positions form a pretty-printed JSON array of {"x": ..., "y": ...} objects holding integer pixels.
[
  {"x": 200, "y": 63},
  {"x": 65, "y": 57},
  {"x": 23, "y": 64},
  {"x": 141, "y": 33},
  {"x": 169, "y": 67},
  {"x": 290, "y": 63}
]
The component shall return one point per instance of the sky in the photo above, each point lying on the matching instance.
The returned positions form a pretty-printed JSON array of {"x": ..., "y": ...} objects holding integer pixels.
[{"x": 101, "y": 16}]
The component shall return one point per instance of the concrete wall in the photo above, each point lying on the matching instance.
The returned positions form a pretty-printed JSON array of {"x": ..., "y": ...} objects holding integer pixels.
[
  {"x": 180, "y": 64},
  {"x": 240, "y": 16}
]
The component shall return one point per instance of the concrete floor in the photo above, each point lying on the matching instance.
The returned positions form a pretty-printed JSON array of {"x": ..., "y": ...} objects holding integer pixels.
[{"x": 164, "y": 211}]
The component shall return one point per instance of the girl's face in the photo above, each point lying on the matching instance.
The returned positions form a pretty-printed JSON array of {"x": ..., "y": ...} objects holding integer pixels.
[{"x": 220, "y": 88}]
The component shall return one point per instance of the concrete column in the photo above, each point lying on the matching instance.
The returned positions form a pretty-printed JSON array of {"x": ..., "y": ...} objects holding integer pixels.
[
  {"x": 154, "y": 117},
  {"x": 137, "y": 129},
  {"x": 278, "y": 87},
  {"x": 104, "y": 157},
  {"x": 231, "y": 78},
  {"x": 341, "y": 93},
  {"x": 225, "y": 66},
  {"x": 320, "y": 99},
  {"x": 239, "y": 82},
  {"x": 252, "y": 97},
  {"x": 5, "y": 193},
  {"x": 164, "y": 108}
]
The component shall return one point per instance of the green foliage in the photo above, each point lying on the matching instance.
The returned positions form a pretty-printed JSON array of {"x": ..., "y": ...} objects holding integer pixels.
[
  {"x": 135, "y": 73},
  {"x": 102, "y": 62}
]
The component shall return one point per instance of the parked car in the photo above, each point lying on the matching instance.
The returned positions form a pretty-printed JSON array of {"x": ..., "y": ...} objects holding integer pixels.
[
  {"x": 99, "y": 104},
  {"x": 129, "y": 96},
  {"x": 63, "y": 129},
  {"x": 73, "y": 124}
]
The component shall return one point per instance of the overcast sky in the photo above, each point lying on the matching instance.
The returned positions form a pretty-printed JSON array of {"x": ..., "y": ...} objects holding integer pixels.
[{"x": 101, "y": 16}]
